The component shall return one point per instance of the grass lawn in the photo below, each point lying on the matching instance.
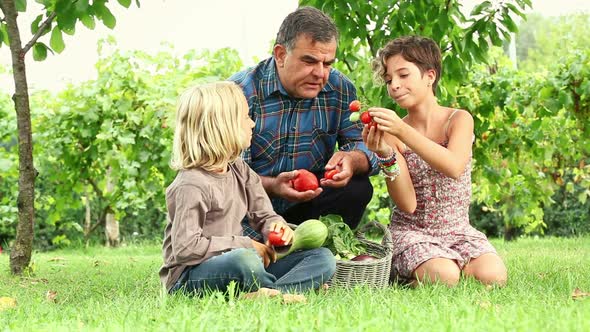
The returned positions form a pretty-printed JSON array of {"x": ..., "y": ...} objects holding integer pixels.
[{"x": 118, "y": 290}]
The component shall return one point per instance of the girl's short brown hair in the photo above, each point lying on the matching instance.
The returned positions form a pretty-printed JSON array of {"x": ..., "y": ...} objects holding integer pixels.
[{"x": 421, "y": 51}]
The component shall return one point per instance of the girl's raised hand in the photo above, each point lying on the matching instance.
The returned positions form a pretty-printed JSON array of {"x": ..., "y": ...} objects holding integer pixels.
[{"x": 387, "y": 120}]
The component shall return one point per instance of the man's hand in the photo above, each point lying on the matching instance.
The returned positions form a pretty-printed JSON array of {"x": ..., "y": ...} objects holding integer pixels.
[
  {"x": 281, "y": 186},
  {"x": 344, "y": 162},
  {"x": 267, "y": 253}
]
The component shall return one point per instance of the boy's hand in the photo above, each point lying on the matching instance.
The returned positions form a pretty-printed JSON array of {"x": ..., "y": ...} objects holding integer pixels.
[
  {"x": 283, "y": 228},
  {"x": 267, "y": 254}
]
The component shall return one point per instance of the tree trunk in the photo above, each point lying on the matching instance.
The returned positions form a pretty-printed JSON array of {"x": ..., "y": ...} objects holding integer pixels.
[
  {"x": 111, "y": 224},
  {"x": 87, "y": 219},
  {"x": 20, "y": 255},
  {"x": 510, "y": 233}
]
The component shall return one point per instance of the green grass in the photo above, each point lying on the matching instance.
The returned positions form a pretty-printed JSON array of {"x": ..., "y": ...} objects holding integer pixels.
[{"x": 118, "y": 290}]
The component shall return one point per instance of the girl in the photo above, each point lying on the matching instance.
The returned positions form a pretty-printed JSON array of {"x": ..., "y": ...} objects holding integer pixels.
[
  {"x": 214, "y": 189},
  {"x": 426, "y": 160}
]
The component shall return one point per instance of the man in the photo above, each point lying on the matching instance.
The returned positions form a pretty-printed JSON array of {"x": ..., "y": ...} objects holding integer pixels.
[{"x": 300, "y": 107}]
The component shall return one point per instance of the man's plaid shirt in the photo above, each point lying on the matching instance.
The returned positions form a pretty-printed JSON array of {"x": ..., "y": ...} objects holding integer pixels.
[{"x": 293, "y": 133}]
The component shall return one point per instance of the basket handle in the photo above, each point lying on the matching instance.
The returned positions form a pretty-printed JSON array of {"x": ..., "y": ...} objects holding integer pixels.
[{"x": 387, "y": 241}]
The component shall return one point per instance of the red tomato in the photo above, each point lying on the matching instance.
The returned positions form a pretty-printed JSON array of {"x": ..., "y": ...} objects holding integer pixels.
[
  {"x": 330, "y": 174},
  {"x": 275, "y": 238},
  {"x": 366, "y": 118},
  {"x": 305, "y": 180},
  {"x": 355, "y": 106}
]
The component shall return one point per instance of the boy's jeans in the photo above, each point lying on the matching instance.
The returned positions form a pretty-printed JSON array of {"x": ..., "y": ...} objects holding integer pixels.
[{"x": 296, "y": 272}]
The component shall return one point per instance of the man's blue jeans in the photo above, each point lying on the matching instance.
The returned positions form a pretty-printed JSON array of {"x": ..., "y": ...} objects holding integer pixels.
[{"x": 296, "y": 272}]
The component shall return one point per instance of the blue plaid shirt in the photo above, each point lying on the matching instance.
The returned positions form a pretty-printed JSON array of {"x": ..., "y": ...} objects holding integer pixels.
[{"x": 292, "y": 133}]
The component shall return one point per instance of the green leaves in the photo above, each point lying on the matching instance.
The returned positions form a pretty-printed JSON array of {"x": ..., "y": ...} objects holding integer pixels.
[
  {"x": 39, "y": 51},
  {"x": 119, "y": 121},
  {"x": 21, "y": 5},
  {"x": 67, "y": 14},
  {"x": 125, "y": 3},
  {"x": 104, "y": 14},
  {"x": 522, "y": 157},
  {"x": 479, "y": 9},
  {"x": 341, "y": 239},
  {"x": 56, "y": 42},
  {"x": 3, "y": 34},
  {"x": 513, "y": 111}
]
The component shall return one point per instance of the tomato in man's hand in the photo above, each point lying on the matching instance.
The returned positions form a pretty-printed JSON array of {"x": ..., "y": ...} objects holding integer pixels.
[
  {"x": 330, "y": 174},
  {"x": 305, "y": 180}
]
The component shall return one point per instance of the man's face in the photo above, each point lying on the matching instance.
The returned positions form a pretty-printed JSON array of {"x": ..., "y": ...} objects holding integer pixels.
[{"x": 304, "y": 70}]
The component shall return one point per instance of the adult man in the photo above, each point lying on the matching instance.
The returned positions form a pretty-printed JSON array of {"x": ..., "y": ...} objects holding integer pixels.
[{"x": 300, "y": 107}]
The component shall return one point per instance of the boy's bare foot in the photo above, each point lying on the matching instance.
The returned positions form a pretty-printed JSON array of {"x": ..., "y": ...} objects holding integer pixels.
[
  {"x": 262, "y": 292},
  {"x": 293, "y": 298}
]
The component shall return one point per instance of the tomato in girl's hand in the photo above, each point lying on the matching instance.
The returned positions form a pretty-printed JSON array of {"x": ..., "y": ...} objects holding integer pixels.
[
  {"x": 330, "y": 174},
  {"x": 354, "y": 117},
  {"x": 366, "y": 118},
  {"x": 354, "y": 106}
]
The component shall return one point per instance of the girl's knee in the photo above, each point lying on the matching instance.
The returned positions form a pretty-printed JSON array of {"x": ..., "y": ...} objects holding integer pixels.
[
  {"x": 488, "y": 269},
  {"x": 440, "y": 270},
  {"x": 492, "y": 276},
  {"x": 449, "y": 277}
]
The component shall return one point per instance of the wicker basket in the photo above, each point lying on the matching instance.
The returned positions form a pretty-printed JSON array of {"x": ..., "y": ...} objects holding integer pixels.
[{"x": 374, "y": 273}]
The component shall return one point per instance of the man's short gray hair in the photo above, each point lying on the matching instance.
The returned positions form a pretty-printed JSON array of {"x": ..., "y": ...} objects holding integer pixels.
[{"x": 306, "y": 21}]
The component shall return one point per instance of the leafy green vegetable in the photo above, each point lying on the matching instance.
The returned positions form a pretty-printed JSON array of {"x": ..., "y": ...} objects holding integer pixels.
[{"x": 341, "y": 239}]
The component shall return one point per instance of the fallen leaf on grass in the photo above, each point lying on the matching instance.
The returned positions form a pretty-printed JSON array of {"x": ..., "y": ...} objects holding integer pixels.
[
  {"x": 98, "y": 263},
  {"x": 578, "y": 294},
  {"x": 51, "y": 296},
  {"x": 262, "y": 293},
  {"x": 56, "y": 259},
  {"x": 294, "y": 298},
  {"x": 7, "y": 303},
  {"x": 484, "y": 304},
  {"x": 36, "y": 281}
]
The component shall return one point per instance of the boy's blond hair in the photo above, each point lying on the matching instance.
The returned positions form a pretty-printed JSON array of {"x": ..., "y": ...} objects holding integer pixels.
[{"x": 208, "y": 133}]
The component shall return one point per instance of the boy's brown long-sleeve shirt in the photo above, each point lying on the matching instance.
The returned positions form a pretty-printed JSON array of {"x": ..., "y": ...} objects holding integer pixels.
[{"x": 205, "y": 211}]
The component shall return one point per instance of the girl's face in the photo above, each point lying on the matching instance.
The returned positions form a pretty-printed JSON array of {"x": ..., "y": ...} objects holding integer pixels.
[
  {"x": 246, "y": 125},
  {"x": 405, "y": 84}
]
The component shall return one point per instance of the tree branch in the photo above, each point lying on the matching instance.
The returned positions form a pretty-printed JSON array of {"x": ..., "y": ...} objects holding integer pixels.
[
  {"x": 102, "y": 217},
  {"x": 42, "y": 28},
  {"x": 101, "y": 221},
  {"x": 95, "y": 187}
]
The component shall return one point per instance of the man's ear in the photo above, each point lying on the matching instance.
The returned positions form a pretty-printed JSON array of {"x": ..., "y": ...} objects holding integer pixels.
[{"x": 280, "y": 53}]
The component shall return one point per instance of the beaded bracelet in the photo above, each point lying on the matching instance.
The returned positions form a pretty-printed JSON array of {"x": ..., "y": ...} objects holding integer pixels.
[
  {"x": 391, "y": 172},
  {"x": 388, "y": 161}
]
